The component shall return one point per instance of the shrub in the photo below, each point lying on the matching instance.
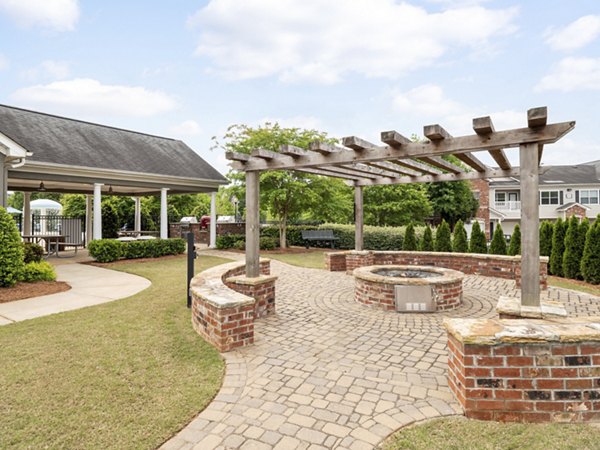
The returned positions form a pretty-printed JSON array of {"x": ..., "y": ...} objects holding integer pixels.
[
  {"x": 410, "y": 239},
  {"x": 590, "y": 263},
  {"x": 105, "y": 250},
  {"x": 239, "y": 245},
  {"x": 558, "y": 248},
  {"x": 134, "y": 250},
  {"x": 228, "y": 240},
  {"x": 498, "y": 244},
  {"x": 32, "y": 252},
  {"x": 426, "y": 244},
  {"x": 110, "y": 221},
  {"x": 514, "y": 248},
  {"x": 443, "y": 238},
  {"x": 268, "y": 243},
  {"x": 546, "y": 231},
  {"x": 459, "y": 238},
  {"x": 574, "y": 244},
  {"x": 478, "y": 243},
  {"x": 38, "y": 271},
  {"x": 11, "y": 250}
]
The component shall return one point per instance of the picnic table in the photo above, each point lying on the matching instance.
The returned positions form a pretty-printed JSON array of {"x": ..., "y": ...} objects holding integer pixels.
[{"x": 52, "y": 242}]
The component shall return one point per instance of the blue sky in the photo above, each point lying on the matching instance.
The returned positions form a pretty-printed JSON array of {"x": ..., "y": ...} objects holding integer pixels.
[{"x": 189, "y": 69}]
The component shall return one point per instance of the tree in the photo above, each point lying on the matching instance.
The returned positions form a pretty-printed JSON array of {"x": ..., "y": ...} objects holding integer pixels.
[
  {"x": 74, "y": 205},
  {"x": 546, "y": 231},
  {"x": 16, "y": 198},
  {"x": 443, "y": 238},
  {"x": 498, "y": 244},
  {"x": 396, "y": 205},
  {"x": 410, "y": 239},
  {"x": 11, "y": 250},
  {"x": 574, "y": 244},
  {"x": 590, "y": 263},
  {"x": 110, "y": 221},
  {"x": 452, "y": 201},
  {"x": 558, "y": 247},
  {"x": 459, "y": 238},
  {"x": 478, "y": 243},
  {"x": 426, "y": 244},
  {"x": 514, "y": 248}
]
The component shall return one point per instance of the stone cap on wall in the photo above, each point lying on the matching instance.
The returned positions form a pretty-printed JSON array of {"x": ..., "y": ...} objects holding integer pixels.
[
  {"x": 438, "y": 254},
  {"x": 504, "y": 331},
  {"x": 548, "y": 309},
  {"x": 445, "y": 275}
]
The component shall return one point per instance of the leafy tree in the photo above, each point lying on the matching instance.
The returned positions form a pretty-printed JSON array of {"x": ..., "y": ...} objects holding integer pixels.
[
  {"x": 11, "y": 250},
  {"x": 558, "y": 247},
  {"x": 452, "y": 201},
  {"x": 110, "y": 221},
  {"x": 514, "y": 248},
  {"x": 74, "y": 205},
  {"x": 426, "y": 244},
  {"x": 546, "y": 231},
  {"x": 16, "y": 198},
  {"x": 478, "y": 243},
  {"x": 498, "y": 244},
  {"x": 443, "y": 238},
  {"x": 395, "y": 205},
  {"x": 574, "y": 244},
  {"x": 590, "y": 263},
  {"x": 410, "y": 239},
  {"x": 459, "y": 238}
]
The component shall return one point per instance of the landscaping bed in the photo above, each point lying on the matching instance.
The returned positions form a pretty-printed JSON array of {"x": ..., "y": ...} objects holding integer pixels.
[{"x": 21, "y": 291}]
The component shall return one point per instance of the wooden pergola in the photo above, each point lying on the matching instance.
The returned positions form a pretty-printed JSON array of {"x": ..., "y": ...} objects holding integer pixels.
[{"x": 402, "y": 161}]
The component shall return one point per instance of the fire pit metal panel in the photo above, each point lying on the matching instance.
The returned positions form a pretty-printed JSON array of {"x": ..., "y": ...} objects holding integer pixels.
[{"x": 414, "y": 298}]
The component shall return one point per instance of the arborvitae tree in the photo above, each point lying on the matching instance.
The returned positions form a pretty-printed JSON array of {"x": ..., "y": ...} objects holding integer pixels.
[
  {"x": 514, "y": 247},
  {"x": 546, "y": 232},
  {"x": 574, "y": 244},
  {"x": 11, "y": 250},
  {"x": 478, "y": 242},
  {"x": 558, "y": 247},
  {"x": 498, "y": 245},
  {"x": 426, "y": 244},
  {"x": 590, "y": 263},
  {"x": 410, "y": 239},
  {"x": 460, "y": 243},
  {"x": 443, "y": 238}
]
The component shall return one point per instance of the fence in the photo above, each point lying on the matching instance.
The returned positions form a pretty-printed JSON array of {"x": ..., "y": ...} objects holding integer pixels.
[{"x": 72, "y": 227}]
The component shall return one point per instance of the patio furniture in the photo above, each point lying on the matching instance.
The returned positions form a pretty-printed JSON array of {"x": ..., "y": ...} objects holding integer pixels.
[
  {"x": 318, "y": 235},
  {"x": 52, "y": 242}
]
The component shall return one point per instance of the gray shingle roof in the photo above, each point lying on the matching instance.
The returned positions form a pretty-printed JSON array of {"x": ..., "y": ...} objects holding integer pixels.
[
  {"x": 587, "y": 173},
  {"x": 60, "y": 140}
]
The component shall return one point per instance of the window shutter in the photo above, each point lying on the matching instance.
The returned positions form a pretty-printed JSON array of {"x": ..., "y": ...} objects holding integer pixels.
[
  {"x": 577, "y": 196},
  {"x": 561, "y": 197}
]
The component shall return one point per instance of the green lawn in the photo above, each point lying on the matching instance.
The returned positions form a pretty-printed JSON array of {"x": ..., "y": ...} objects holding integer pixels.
[
  {"x": 314, "y": 259},
  {"x": 574, "y": 285},
  {"x": 126, "y": 374},
  {"x": 463, "y": 434}
]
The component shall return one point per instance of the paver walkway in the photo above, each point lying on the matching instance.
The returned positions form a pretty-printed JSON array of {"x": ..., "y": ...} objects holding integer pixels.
[
  {"x": 326, "y": 372},
  {"x": 90, "y": 285}
]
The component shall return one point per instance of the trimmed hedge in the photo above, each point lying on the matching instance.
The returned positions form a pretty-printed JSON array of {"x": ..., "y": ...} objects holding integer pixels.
[
  {"x": 11, "y": 250},
  {"x": 32, "y": 252},
  {"x": 108, "y": 250},
  {"x": 38, "y": 271}
]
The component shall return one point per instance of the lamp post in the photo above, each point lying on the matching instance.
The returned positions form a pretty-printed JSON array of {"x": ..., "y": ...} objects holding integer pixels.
[{"x": 235, "y": 202}]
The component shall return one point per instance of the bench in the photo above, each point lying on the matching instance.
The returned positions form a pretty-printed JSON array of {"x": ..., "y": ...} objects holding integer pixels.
[{"x": 318, "y": 235}]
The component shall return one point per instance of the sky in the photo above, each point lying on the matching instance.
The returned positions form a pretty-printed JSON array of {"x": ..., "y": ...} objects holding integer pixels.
[{"x": 190, "y": 69}]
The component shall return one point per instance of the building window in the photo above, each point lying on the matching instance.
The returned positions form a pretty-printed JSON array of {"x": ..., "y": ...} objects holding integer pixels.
[
  {"x": 476, "y": 195},
  {"x": 588, "y": 197},
  {"x": 500, "y": 197},
  {"x": 550, "y": 198}
]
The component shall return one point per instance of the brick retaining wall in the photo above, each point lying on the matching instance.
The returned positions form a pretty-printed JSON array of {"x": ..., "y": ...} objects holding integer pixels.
[{"x": 507, "y": 267}]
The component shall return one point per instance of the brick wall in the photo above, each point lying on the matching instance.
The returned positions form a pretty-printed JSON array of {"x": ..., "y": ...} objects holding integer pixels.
[
  {"x": 577, "y": 211},
  {"x": 483, "y": 212},
  {"x": 556, "y": 379},
  {"x": 225, "y": 328},
  {"x": 200, "y": 236},
  {"x": 507, "y": 267}
]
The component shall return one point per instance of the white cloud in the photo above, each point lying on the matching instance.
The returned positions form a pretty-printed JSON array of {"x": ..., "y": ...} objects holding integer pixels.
[
  {"x": 426, "y": 100},
  {"x": 322, "y": 41},
  {"x": 49, "y": 69},
  {"x": 59, "y": 15},
  {"x": 575, "y": 35},
  {"x": 186, "y": 128},
  {"x": 4, "y": 63},
  {"x": 88, "y": 96},
  {"x": 305, "y": 122},
  {"x": 572, "y": 74}
]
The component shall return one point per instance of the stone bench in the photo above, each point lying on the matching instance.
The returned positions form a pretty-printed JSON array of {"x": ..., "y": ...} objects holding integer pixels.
[{"x": 225, "y": 303}]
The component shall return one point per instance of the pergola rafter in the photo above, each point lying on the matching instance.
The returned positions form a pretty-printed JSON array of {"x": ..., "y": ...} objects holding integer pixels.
[{"x": 402, "y": 161}]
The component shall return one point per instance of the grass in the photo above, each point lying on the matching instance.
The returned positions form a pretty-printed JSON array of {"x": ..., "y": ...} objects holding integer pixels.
[
  {"x": 126, "y": 374},
  {"x": 314, "y": 259},
  {"x": 463, "y": 434},
  {"x": 575, "y": 285}
]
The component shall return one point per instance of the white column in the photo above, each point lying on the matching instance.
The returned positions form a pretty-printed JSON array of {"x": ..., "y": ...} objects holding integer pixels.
[
  {"x": 26, "y": 213},
  {"x": 137, "y": 225},
  {"x": 3, "y": 181},
  {"x": 88, "y": 219},
  {"x": 213, "y": 220},
  {"x": 97, "y": 211},
  {"x": 358, "y": 218},
  {"x": 164, "y": 216},
  {"x": 252, "y": 224}
]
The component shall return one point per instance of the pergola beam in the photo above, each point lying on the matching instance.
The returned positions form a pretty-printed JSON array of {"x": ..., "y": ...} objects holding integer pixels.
[
  {"x": 442, "y": 164},
  {"x": 489, "y": 173},
  {"x": 395, "y": 168},
  {"x": 419, "y": 166},
  {"x": 472, "y": 161}
]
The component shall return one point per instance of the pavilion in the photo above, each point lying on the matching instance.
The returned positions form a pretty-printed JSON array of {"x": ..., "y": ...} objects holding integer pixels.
[{"x": 43, "y": 152}]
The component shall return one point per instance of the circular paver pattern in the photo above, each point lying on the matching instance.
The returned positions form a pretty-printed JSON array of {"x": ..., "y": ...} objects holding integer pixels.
[{"x": 326, "y": 372}]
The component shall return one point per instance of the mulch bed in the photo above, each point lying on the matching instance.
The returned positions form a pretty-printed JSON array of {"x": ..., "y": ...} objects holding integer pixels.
[{"x": 21, "y": 291}]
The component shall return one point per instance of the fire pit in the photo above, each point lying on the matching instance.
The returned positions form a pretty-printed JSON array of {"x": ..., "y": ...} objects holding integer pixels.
[{"x": 408, "y": 288}]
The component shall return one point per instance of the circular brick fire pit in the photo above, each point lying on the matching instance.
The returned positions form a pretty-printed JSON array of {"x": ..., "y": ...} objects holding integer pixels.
[{"x": 408, "y": 288}]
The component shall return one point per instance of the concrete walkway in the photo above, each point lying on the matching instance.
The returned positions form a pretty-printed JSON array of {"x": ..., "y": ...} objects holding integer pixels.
[
  {"x": 90, "y": 286},
  {"x": 328, "y": 373}
]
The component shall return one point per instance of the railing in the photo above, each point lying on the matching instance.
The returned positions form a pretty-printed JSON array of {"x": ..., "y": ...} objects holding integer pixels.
[
  {"x": 508, "y": 206},
  {"x": 68, "y": 226}
]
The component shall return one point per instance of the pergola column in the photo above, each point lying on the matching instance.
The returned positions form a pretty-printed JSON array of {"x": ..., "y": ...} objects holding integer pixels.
[
  {"x": 88, "y": 219},
  {"x": 137, "y": 220},
  {"x": 530, "y": 220},
  {"x": 252, "y": 224},
  {"x": 26, "y": 228},
  {"x": 213, "y": 220},
  {"x": 164, "y": 216},
  {"x": 358, "y": 218},
  {"x": 97, "y": 234},
  {"x": 3, "y": 181}
]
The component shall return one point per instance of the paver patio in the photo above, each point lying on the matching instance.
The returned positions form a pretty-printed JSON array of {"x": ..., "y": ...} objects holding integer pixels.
[{"x": 326, "y": 372}]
